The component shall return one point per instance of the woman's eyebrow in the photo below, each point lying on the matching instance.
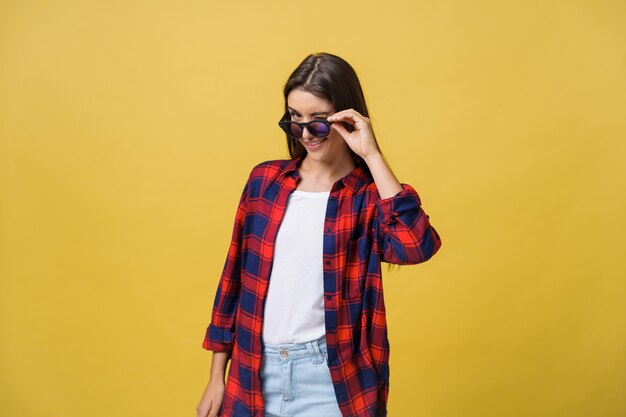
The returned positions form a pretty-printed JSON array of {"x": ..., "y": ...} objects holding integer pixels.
[{"x": 312, "y": 114}]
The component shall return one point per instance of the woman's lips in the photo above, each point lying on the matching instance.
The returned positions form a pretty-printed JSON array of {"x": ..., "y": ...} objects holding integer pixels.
[{"x": 312, "y": 147}]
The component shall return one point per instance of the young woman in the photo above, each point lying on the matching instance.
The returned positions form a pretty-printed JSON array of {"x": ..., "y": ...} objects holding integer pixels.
[{"x": 299, "y": 309}]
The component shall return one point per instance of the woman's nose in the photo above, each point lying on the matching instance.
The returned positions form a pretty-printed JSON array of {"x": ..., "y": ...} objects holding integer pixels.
[{"x": 306, "y": 134}]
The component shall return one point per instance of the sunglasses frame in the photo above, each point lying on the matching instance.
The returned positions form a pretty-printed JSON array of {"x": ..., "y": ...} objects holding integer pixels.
[{"x": 284, "y": 125}]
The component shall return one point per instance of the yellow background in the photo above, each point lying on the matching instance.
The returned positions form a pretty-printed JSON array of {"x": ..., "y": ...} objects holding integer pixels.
[{"x": 128, "y": 130}]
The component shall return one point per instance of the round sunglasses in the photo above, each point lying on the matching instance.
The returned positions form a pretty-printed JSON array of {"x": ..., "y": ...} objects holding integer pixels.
[{"x": 317, "y": 128}]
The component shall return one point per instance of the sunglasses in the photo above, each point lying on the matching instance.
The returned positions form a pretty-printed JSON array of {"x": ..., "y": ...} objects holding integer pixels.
[{"x": 317, "y": 128}]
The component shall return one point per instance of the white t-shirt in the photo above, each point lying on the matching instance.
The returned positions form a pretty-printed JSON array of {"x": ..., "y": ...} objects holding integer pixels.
[{"x": 294, "y": 307}]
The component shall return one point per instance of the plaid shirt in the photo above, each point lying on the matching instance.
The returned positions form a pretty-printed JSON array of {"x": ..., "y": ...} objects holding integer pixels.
[{"x": 361, "y": 230}]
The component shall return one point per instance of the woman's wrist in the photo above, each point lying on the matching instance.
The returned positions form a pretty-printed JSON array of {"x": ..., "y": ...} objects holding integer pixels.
[{"x": 369, "y": 159}]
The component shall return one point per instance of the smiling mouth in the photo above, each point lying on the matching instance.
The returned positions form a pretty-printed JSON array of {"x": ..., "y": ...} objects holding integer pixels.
[{"x": 314, "y": 142}]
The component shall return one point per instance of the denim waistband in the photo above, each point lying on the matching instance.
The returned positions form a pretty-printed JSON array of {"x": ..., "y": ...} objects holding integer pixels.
[{"x": 286, "y": 351}]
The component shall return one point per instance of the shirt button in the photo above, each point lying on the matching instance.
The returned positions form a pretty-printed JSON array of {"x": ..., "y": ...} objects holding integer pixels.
[
  {"x": 341, "y": 396},
  {"x": 328, "y": 229},
  {"x": 327, "y": 263},
  {"x": 329, "y": 297}
]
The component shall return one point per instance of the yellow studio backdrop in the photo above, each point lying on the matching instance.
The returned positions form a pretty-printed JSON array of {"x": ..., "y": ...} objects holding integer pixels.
[{"x": 128, "y": 130}]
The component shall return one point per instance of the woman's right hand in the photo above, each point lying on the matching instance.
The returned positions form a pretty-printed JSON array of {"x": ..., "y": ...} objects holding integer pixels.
[{"x": 211, "y": 400}]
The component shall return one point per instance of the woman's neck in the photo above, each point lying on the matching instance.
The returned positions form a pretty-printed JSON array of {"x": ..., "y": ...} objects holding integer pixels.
[{"x": 324, "y": 173}]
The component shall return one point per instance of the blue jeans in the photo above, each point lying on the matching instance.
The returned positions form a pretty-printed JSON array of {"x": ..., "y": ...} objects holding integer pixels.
[{"x": 296, "y": 380}]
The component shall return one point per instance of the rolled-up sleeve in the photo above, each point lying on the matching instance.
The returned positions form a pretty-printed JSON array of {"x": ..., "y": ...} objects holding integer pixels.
[
  {"x": 220, "y": 334},
  {"x": 404, "y": 230}
]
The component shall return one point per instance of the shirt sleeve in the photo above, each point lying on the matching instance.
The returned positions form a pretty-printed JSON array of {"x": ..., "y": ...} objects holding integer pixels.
[
  {"x": 404, "y": 230},
  {"x": 220, "y": 334}
]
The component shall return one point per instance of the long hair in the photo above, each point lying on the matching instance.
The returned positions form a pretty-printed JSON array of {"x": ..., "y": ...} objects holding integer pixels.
[{"x": 332, "y": 78}]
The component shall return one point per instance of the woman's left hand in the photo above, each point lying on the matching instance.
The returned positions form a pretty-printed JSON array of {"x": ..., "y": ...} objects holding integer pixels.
[{"x": 361, "y": 140}]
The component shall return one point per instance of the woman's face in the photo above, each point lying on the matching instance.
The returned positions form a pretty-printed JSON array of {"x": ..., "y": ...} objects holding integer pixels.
[{"x": 304, "y": 107}]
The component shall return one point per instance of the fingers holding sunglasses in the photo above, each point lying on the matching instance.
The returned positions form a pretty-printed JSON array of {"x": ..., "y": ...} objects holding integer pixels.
[
  {"x": 352, "y": 117},
  {"x": 341, "y": 129},
  {"x": 361, "y": 140}
]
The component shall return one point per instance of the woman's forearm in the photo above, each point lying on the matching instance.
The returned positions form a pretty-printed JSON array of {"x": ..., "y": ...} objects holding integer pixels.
[
  {"x": 218, "y": 365},
  {"x": 386, "y": 183}
]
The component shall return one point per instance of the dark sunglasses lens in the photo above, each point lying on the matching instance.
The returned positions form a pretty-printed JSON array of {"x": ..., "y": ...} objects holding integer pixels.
[
  {"x": 319, "y": 130},
  {"x": 292, "y": 129}
]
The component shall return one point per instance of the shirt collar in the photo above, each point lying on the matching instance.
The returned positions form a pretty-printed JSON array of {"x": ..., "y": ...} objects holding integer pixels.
[{"x": 353, "y": 181}]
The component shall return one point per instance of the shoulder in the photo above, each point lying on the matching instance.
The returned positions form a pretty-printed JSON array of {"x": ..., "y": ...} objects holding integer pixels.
[
  {"x": 267, "y": 170},
  {"x": 264, "y": 173}
]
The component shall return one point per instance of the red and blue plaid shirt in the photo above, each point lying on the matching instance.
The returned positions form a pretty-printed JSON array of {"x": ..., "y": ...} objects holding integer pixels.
[{"x": 361, "y": 230}]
